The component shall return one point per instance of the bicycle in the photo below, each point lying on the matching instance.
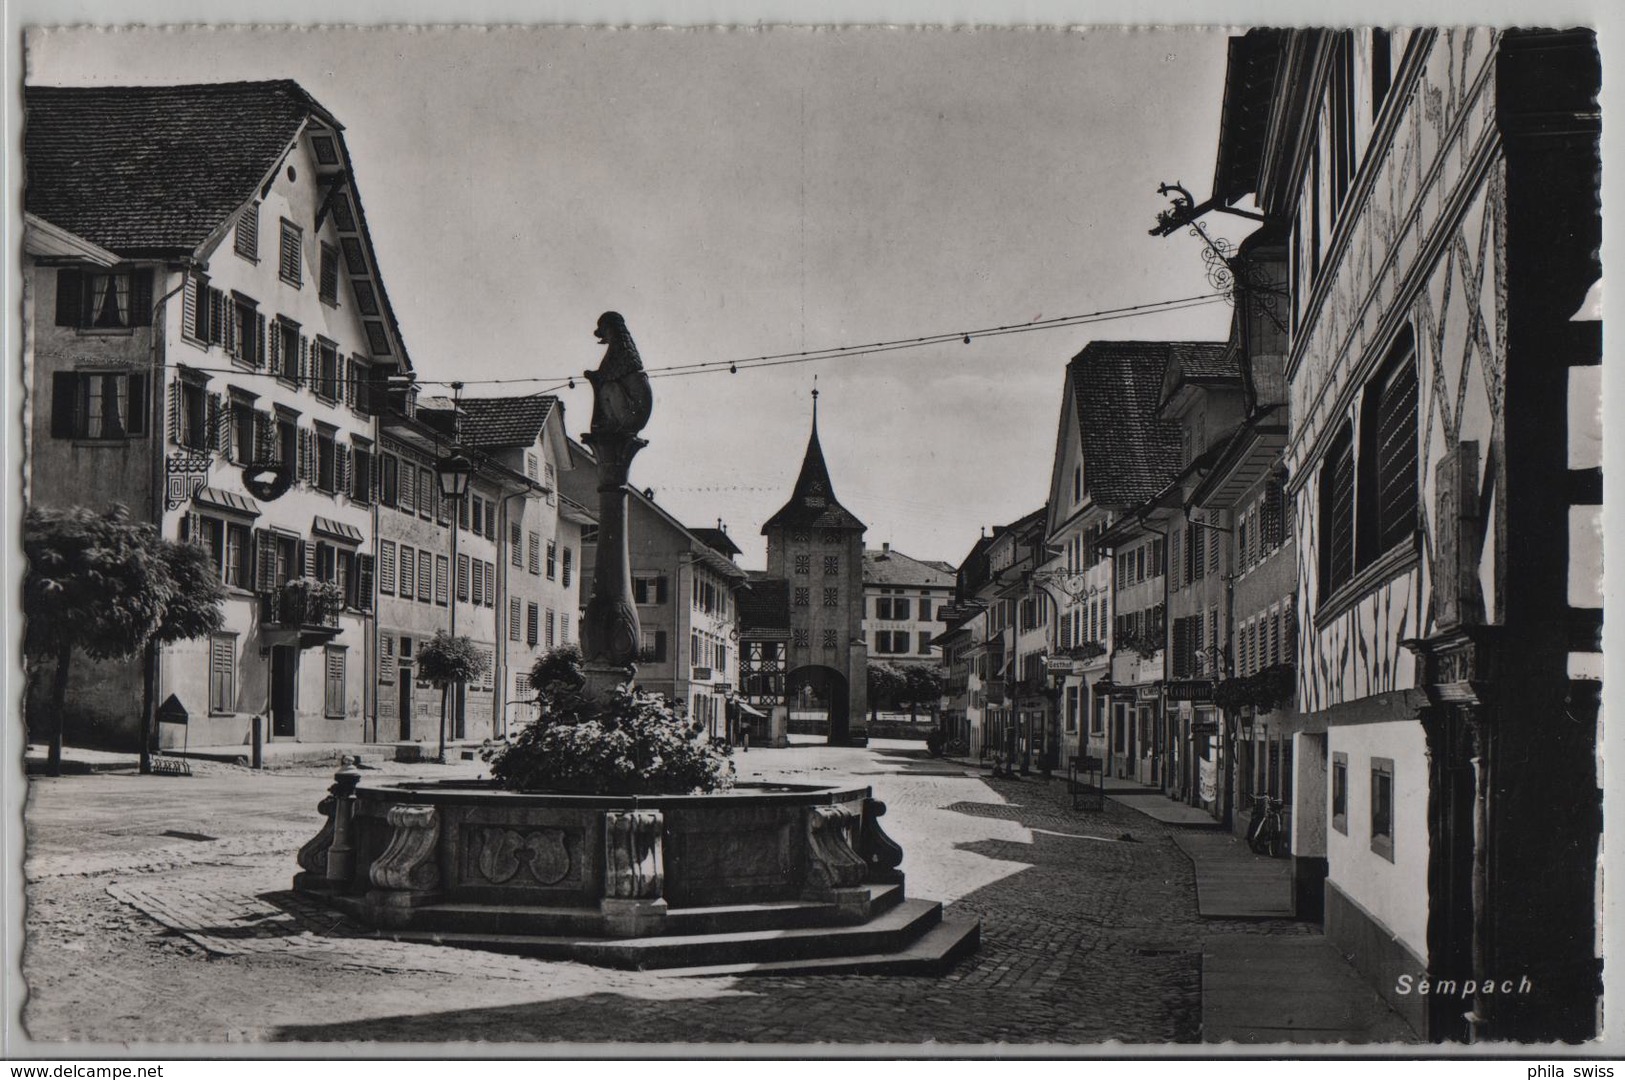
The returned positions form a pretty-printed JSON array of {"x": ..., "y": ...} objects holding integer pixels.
[{"x": 1266, "y": 833}]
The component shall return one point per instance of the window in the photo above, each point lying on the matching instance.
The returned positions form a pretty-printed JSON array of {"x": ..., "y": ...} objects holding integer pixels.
[
  {"x": 652, "y": 647},
  {"x": 1382, "y": 807},
  {"x": 1337, "y": 513},
  {"x": 831, "y": 641},
  {"x": 803, "y": 564},
  {"x": 388, "y": 479},
  {"x": 552, "y": 558},
  {"x": 408, "y": 572},
  {"x": 925, "y": 609},
  {"x": 237, "y": 556},
  {"x": 564, "y": 578},
  {"x": 1340, "y": 792},
  {"x": 1341, "y": 115},
  {"x": 532, "y": 618},
  {"x": 924, "y": 647},
  {"x": 1389, "y": 459},
  {"x": 649, "y": 590},
  {"x": 479, "y": 513},
  {"x": 333, "y": 699},
  {"x": 516, "y": 544},
  {"x": 564, "y": 627},
  {"x": 832, "y": 597},
  {"x": 513, "y": 618},
  {"x": 292, "y": 242},
  {"x": 287, "y": 348},
  {"x": 328, "y": 290},
  {"x": 530, "y": 465},
  {"x": 361, "y": 484},
  {"x": 326, "y": 460},
  {"x": 442, "y": 571},
  {"x": 832, "y": 565},
  {"x": 247, "y": 241},
  {"x": 891, "y": 607},
  {"x": 99, "y": 405},
  {"x": 425, "y": 494},
  {"x": 191, "y": 410},
  {"x": 803, "y": 596},
  {"x": 104, "y": 299},
  {"x": 534, "y": 559},
  {"x": 246, "y": 338},
  {"x": 327, "y": 370},
  {"x": 222, "y": 674}
]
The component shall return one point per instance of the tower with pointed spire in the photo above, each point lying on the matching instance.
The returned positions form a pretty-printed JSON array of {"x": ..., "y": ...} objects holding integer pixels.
[{"x": 815, "y": 546}]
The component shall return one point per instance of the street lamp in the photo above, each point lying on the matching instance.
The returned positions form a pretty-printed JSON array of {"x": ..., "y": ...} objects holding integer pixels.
[{"x": 453, "y": 474}]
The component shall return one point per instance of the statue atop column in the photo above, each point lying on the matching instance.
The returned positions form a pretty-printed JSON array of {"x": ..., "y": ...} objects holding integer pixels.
[{"x": 622, "y": 402}]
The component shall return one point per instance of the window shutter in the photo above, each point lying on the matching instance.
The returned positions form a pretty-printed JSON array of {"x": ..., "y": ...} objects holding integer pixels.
[
  {"x": 70, "y": 289},
  {"x": 305, "y": 361},
  {"x": 532, "y": 618},
  {"x": 479, "y": 581},
  {"x": 219, "y": 438},
  {"x": 513, "y": 618},
  {"x": 264, "y": 560},
  {"x": 259, "y": 340},
  {"x": 490, "y": 585},
  {"x": 274, "y": 348},
  {"x": 141, "y": 297},
  {"x": 341, "y": 469},
  {"x": 307, "y": 556},
  {"x": 660, "y": 589},
  {"x": 386, "y": 566},
  {"x": 175, "y": 410},
  {"x": 364, "y": 582},
  {"x": 228, "y": 311},
  {"x": 217, "y": 317},
  {"x": 189, "y": 307},
  {"x": 307, "y": 456},
  {"x": 64, "y": 404}
]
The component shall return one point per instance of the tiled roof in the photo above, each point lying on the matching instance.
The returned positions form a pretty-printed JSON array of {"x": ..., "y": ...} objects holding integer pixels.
[
  {"x": 718, "y": 539},
  {"x": 813, "y": 505},
  {"x": 1205, "y": 360},
  {"x": 504, "y": 421},
  {"x": 892, "y": 567},
  {"x": 1128, "y": 453},
  {"x": 152, "y": 169},
  {"x": 764, "y": 604}
]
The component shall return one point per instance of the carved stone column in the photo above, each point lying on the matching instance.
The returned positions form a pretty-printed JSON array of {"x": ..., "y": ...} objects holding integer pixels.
[
  {"x": 634, "y": 873},
  {"x": 313, "y": 855},
  {"x": 622, "y": 402},
  {"x": 407, "y": 873},
  {"x": 835, "y": 870}
]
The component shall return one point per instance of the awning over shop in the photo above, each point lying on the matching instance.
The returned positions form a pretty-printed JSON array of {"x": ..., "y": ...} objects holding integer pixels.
[
  {"x": 338, "y": 530},
  {"x": 746, "y": 710},
  {"x": 229, "y": 501}
]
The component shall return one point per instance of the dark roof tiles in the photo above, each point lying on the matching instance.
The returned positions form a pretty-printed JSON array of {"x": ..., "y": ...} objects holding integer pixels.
[
  {"x": 505, "y": 421},
  {"x": 151, "y": 169},
  {"x": 892, "y": 567},
  {"x": 1128, "y": 453}
]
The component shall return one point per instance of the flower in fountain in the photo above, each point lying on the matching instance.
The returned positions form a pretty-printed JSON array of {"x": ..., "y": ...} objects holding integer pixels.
[{"x": 635, "y": 743}]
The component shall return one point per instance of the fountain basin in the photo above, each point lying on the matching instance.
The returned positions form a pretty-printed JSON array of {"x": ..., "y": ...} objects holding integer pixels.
[{"x": 630, "y": 880}]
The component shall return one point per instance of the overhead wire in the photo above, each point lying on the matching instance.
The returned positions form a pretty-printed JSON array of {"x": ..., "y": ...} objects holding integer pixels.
[{"x": 768, "y": 360}]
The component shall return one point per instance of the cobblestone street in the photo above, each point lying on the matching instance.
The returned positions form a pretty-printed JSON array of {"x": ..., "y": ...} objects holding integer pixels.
[{"x": 1090, "y": 929}]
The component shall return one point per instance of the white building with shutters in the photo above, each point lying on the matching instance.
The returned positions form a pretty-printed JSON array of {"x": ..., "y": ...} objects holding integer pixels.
[{"x": 210, "y": 362}]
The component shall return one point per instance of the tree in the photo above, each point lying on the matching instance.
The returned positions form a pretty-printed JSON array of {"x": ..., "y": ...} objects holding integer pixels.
[
  {"x": 886, "y": 683},
  {"x": 448, "y": 661},
  {"x": 923, "y": 685},
  {"x": 192, "y": 611},
  {"x": 108, "y": 587}
]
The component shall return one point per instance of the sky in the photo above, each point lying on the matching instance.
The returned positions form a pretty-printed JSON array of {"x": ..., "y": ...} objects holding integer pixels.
[{"x": 737, "y": 193}]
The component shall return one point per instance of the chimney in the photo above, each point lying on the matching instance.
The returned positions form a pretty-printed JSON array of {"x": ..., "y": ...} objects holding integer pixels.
[{"x": 885, "y": 548}]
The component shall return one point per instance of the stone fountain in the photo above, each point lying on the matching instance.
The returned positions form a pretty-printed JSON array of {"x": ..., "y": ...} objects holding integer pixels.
[{"x": 759, "y": 878}]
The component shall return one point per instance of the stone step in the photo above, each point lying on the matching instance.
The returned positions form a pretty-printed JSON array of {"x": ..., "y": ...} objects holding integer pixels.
[
  {"x": 933, "y": 953},
  {"x": 462, "y": 917},
  {"x": 890, "y": 931}
]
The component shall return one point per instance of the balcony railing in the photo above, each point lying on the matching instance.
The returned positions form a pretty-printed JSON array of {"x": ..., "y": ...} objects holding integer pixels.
[{"x": 302, "y": 603}]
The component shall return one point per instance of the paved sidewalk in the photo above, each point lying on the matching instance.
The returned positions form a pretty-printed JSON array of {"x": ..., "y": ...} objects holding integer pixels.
[
  {"x": 77, "y": 760},
  {"x": 1232, "y": 882},
  {"x": 1263, "y": 989},
  {"x": 1153, "y": 803}
]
